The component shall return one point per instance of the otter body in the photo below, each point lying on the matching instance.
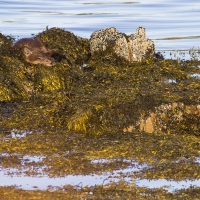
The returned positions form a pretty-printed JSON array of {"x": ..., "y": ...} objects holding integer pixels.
[{"x": 34, "y": 51}]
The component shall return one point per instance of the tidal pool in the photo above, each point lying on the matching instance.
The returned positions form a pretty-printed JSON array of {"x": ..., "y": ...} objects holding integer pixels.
[{"x": 19, "y": 178}]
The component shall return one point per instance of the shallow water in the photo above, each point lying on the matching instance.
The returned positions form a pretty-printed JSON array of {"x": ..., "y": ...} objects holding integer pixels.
[
  {"x": 31, "y": 175},
  {"x": 19, "y": 178},
  {"x": 172, "y": 24}
]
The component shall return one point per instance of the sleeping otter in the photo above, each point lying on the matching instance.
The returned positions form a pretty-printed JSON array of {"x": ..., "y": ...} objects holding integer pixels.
[{"x": 33, "y": 50}]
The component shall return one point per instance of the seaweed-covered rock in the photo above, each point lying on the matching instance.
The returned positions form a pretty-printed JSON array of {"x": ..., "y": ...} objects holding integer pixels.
[
  {"x": 111, "y": 42},
  {"x": 66, "y": 46},
  {"x": 169, "y": 117},
  {"x": 6, "y": 43},
  {"x": 14, "y": 83},
  {"x": 33, "y": 50}
]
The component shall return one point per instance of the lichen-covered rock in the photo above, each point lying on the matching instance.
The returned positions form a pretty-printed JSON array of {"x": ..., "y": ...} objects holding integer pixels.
[
  {"x": 110, "y": 37},
  {"x": 33, "y": 50},
  {"x": 140, "y": 47},
  {"x": 110, "y": 41}
]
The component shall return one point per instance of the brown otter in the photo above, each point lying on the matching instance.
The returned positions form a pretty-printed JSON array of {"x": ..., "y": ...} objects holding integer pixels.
[{"x": 33, "y": 50}]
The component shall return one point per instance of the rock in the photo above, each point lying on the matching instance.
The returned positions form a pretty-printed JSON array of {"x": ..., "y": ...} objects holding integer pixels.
[
  {"x": 150, "y": 123},
  {"x": 33, "y": 50},
  {"x": 135, "y": 47},
  {"x": 166, "y": 116},
  {"x": 140, "y": 47},
  {"x": 66, "y": 47},
  {"x": 101, "y": 40}
]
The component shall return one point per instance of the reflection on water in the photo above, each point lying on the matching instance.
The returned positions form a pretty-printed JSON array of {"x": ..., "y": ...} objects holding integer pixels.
[
  {"x": 163, "y": 19},
  {"x": 192, "y": 54}
]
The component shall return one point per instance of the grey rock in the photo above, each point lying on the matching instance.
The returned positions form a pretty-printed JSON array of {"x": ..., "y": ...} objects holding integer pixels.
[
  {"x": 135, "y": 47},
  {"x": 141, "y": 48}
]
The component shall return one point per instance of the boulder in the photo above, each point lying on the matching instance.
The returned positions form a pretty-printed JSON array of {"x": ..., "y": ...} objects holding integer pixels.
[
  {"x": 66, "y": 46},
  {"x": 140, "y": 47},
  {"x": 135, "y": 47}
]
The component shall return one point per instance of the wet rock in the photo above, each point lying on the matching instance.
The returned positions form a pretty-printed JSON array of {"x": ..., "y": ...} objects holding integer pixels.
[
  {"x": 33, "y": 50},
  {"x": 135, "y": 47},
  {"x": 109, "y": 38}
]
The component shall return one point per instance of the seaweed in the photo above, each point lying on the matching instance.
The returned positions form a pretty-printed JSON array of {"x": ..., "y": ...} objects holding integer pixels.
[{"x": 90, "y": 107}]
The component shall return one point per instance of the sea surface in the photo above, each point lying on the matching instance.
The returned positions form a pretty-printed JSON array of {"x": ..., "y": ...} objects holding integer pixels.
[{"x": 172, "y": 24}]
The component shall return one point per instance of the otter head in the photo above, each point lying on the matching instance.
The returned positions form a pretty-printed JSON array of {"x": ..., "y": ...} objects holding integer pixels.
[
  {"x": 33, "y": 50},
  {"x": 36, "y": 56}
]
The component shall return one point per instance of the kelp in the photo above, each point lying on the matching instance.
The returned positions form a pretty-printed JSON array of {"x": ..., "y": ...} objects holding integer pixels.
[
  {"x": 99, "y": 98},
  {"x": 118, "y": 191},
  {"x": 80, "y": 109}
]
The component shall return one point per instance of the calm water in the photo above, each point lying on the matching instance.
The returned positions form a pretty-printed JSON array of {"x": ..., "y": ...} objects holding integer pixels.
[{"x": 176, "y": 20}]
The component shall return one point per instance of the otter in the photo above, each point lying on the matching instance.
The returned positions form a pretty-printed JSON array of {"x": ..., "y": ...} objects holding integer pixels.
[{"x": 33, "y": 50}]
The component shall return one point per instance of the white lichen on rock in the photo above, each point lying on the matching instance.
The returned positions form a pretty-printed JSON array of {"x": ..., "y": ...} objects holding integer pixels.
[{"x": 135, "y": 47}]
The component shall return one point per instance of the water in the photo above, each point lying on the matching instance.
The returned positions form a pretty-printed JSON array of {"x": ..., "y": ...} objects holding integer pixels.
[
  {"x": 19, "y": 178},
  {"x": 30, "y": 177},
  {"x": 172, "y": 24}
]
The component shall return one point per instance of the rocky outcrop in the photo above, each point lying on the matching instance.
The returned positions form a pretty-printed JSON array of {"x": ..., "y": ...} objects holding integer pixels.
[
  {"x": 165, "y": 117},
  {"x": 135, "y": 47},
  {"x": 140, "y": 47}
]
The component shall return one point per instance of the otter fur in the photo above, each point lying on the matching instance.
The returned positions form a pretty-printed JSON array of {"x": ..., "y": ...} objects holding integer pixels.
[{"x": 33, "y": 50}]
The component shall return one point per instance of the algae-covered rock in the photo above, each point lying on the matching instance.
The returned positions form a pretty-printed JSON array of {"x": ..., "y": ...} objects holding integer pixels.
[
  {"x": 20, "y": 81},
  {"x": 5, "y": 93},
  {"x": 111, "y": 43},
  {"x": 66, "y": 46},
  {"x": 47, "y": 79},
  {"x": 6, "y": 43},
  {"x": 167, "y": 117},
  {"x": 100, "y": 97},
  {"x": 14, "y": 81}
]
